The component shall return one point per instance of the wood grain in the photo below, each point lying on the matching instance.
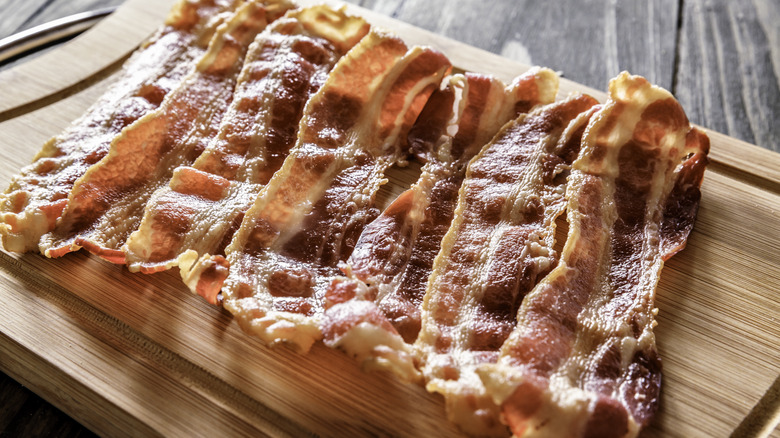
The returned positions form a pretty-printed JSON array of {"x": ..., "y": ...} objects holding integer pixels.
[
  {"x": 128, "y": 354},
  {"x": 26, "y": 414},
  {"x": 721, "y": 58},
  {"x": 526, "y": 31},
  {"x": 731, "y": 49},
  {"x": 51, "y": 10},
  {"x": 24, "y": 11}
]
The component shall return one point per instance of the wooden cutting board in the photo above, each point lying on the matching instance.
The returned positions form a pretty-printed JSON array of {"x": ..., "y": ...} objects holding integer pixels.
[{"x": 131, "y": 354}]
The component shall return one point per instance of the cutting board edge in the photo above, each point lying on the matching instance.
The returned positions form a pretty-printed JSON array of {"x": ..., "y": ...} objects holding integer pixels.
[
  {"x": 51, "y": 383},
  {"x": 111, "y": 344}
]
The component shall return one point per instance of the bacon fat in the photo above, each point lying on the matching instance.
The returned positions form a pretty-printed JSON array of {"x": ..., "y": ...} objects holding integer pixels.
[
  {"x": 36, "y": 197},
  {"x": 394, "y": 255},
  {"x": 203, "y": 205},
  {"x": 582, "y": 360},
  {"x": 307, "y": 218},
  {"x": 500, "y": 243},
  {"x": 106, "y": 204}
]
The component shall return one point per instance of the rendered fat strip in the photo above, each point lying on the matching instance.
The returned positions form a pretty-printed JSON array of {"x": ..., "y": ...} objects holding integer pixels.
[
  {"x": 582, "y": 360},
  {"x": 37, "y": 196},
  {"x": 107, "y": 202},
  {"x": 499, "y": 245},
  {"x": 308, "y": 217},
  {"x": 388, "y": 271},
  {"x": 203, "y": 205}
]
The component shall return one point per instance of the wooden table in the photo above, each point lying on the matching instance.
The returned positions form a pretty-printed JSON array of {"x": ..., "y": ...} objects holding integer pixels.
[{"x": 720, "y": 58}]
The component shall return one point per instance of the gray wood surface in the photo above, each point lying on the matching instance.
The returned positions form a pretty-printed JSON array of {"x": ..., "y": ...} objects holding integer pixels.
[
  {"x": 728, "y": 68},
  {"x": 721, "y": 59},
  {"x": 18, "y": 15},
  {"x": 24, "y": 414}
]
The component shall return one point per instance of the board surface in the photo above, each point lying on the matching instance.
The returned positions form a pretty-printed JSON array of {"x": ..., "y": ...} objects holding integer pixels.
[{"x": 131, "y": 354}]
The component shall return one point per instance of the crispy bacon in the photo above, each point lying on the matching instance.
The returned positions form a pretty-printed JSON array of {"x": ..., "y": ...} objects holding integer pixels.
[
  {"x": 394, "y": 255},
  {"x": 582, "y": 360},
  {"x": 499, "y": 244},
  {"x": 200, "y": 209},
  {"x": 106, "y": 204},
  {"x": 307, "y": 218},
  {"x": 36, "y": 198}
]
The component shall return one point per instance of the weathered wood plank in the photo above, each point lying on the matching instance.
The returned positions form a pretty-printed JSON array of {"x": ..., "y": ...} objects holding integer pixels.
[
  {"x": 13, "y": 398},
  {"x": 728, "y": 75},
  {"x": 588, "y": 41},
  {"x": 23, "y": 11},
  {"x": 19, "y": 15},
  {"x": 58, "y": 9},
  {"x": 38, "y": 12},
  {"x": 26, "y": 414}
]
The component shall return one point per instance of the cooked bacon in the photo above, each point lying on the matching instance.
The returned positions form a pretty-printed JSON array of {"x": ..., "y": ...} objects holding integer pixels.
[
  {"x": 308, "y": 217},
  {"x": 582, "y": 360},
  {"x": 500, "y": 243},
  {"x": 106, "y": 204},
  {"x": 37, "y": 196},
  {"x": 200, "y": 209},
  {"x": 394, "y": 256}
]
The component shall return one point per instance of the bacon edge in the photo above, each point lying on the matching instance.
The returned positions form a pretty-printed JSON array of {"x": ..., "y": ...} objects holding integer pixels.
[
  {"x": 37, "y": 196},
  {"x": 583, "y": 361},
  {"x": 203, "y": 205},
  {"x": 387, "y": 273},
  {"x": 351, "y": 130},
  {"x": 106, "y": 203}
]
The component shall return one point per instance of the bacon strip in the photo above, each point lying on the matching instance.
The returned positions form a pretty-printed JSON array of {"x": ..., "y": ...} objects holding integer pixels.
[
  {"x": 582, "y": 360},
  {"x": 37, "y": 196},
  {"x": 499, "y": 244},
  {"x": 307, "y": 218},
  {"x": 388, "y": 271},
  {"x": 200, "y": 209},
  {"x": 106, "y": 204}
]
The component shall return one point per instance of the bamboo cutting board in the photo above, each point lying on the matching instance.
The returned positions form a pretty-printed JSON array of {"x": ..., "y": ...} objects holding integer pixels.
[{"x": 138, "y": 355}]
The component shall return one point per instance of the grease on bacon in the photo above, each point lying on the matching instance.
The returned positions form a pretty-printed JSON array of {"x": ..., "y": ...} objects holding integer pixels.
[
  {"x": 203, "y": 205},
  {"x": 500, "y": 243},
  {"x": 37, "y": 196},
  {"x": 374, "y": 312},
  {"x": 106, "y": 203},
  {"x": 582, "y": 360},
  {"x": 308, "y": 217}
]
